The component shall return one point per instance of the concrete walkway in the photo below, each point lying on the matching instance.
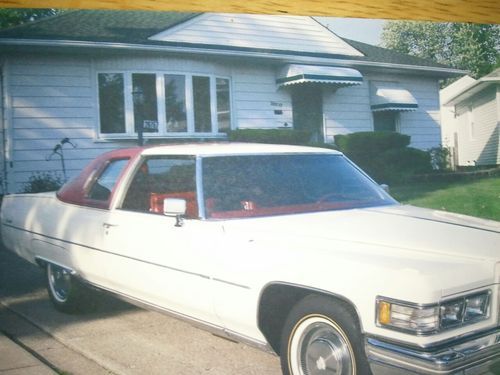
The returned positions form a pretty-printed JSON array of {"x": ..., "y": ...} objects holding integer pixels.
[{"x": 14, "y": 360}]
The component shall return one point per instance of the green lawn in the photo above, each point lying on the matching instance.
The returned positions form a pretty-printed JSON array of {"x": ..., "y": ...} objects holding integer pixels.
[{"x": 479, "y": 198}]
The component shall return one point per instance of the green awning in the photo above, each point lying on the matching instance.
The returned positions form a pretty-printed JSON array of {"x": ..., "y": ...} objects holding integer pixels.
[
  {"x": 391, "y": 96},
  {"x": 293, "y": 74}
]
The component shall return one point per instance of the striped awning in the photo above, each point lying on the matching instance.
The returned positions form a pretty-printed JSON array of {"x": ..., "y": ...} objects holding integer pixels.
[
  {"x": 293, "y": 74},
  {"x": 391, "y": 96}
]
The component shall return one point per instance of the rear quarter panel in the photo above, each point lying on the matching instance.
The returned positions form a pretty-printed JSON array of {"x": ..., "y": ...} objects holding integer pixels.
[
  {"x": 20, "y": 216},
  {"x": 40, "y": 225}
]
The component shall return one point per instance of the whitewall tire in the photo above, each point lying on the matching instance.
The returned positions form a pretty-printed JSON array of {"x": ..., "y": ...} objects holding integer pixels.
[{"x": 322, "y": 337}]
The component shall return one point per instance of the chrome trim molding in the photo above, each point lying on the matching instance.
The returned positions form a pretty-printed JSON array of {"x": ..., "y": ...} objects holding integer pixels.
[
  {"x": 456, "y": 356},
  {"x": 111, "y": 253},
  {"x": 231, "y": 283},
  {"x": 41, "y": 260}
]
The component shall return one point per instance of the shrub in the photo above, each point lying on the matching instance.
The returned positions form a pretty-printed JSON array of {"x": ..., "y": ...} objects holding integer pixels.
[
  {"x": 385, "y": 156},
  {"x": 401, "y": 164},
  {"x": 440, "y": 158},
  {"x": 276, "y": 136},
  {"x": 42, "y": 181},
  {"x": 369, "y": 143}
]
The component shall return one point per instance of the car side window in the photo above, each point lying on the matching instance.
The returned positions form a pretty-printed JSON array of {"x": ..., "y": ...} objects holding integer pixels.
[
  {"x": 158, "y": 178},
  {"x": 105, "y": 183}
]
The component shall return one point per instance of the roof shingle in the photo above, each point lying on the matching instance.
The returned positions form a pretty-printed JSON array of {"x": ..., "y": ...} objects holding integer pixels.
[
  {"x": 99, "y": 26},
  {"x": 135, "y": 27}
]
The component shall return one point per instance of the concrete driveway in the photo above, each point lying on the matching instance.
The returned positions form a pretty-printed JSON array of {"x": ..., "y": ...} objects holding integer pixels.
[{"x": 117, "y": 338}]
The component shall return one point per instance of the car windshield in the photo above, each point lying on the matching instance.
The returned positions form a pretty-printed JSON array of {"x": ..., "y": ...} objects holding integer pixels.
[{"x": 262, "y": 185}]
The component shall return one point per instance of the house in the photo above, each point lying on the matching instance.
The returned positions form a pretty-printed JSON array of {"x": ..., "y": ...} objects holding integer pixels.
[
  {"x": 471, "y": 115},
  {"x": 102, "y": 78}
]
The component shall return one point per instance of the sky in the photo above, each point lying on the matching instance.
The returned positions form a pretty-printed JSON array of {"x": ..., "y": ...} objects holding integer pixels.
[{"x": 360, "y": 29}]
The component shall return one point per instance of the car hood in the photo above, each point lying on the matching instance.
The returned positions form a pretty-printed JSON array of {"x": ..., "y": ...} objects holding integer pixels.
[{"x": 398, "y": 226}]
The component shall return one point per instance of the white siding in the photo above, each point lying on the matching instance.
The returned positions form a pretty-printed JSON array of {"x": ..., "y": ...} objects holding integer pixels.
[
  {"x": 256, "y": 97},
  {"x": 348, "y": 110},
  {"x": 289, "y": 33},
  {"x": 478, "y": 129},
  {"x": 448, "y": 121},
  {"x": 51, "y": 98},
  {"x": 423, "y": 125},
  {"x": 155, "y": 63}
]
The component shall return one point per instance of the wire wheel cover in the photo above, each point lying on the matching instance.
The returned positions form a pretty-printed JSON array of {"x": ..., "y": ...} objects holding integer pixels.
[{"x": 59, "y": 282}]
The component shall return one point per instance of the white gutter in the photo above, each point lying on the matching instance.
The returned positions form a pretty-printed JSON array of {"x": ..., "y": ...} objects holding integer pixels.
[
  {"x": 471, "y": 90},
  {"x": 221, "y": 52}
]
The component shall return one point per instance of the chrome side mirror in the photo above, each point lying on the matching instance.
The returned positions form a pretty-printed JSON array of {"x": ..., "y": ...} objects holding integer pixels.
[{"x": 175, "y": 207}]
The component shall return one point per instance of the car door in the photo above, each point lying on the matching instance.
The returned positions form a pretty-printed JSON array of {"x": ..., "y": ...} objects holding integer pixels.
[{"x": 152, "y": 257}]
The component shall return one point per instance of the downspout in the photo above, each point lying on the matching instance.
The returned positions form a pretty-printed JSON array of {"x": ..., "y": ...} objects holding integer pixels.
[{"x": 4, "y": 132}]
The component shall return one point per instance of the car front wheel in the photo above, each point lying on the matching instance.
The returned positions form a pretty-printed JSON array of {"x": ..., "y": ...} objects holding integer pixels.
[{"x": 321, "y": 337}]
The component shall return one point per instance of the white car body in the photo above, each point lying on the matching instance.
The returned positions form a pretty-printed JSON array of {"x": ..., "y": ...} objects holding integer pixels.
[{"x": 216, "y": 272}]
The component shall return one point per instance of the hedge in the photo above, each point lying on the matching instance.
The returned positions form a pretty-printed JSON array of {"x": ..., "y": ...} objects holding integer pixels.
[
  {"x": 371, "y": 143},
  {"x": 385, "y": 156}
]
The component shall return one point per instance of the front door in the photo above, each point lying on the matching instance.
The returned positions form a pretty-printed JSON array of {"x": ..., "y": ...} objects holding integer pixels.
[
  {"x": 152, "y": 258},
  {"x": 307, "y": 104}
]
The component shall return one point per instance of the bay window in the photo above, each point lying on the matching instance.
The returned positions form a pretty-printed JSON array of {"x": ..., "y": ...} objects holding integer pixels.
[
  {"x": 112, "y": 104},
  {"x": 167, "y": 105},
  {"x": 201, "y": 104},
  {"x": 223, "y": 104},
  {"x": 145, "y": 109},
  {"x": 175, "y": 103}
]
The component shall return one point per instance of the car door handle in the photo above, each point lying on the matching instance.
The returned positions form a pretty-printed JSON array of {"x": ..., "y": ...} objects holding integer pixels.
[{"x": 109, "y": 225}]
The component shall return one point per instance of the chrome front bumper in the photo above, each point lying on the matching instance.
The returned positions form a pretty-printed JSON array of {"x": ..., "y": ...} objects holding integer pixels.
[{"x": 478, "y": 355}]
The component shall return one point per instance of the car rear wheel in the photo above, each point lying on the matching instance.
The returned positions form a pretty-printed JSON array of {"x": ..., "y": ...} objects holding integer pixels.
[
  {"x": 321, "y": 337},
  {"x": 65, "y": 292}
]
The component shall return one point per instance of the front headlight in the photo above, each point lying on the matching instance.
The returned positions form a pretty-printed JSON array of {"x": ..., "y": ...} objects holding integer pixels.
[{"x": 429, "y": 319}]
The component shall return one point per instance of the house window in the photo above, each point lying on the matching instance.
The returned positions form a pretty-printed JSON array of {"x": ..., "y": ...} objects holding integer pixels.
[
  {"x": 175, "y": 103},
  {"x": 385, "y": 121},
  {"x": 201, "y": 101},
  {"x": 223, "y": 104},
  {"x": 165, "y": 104},
  {"x": 111, "y": 103},
  {"x": 145, "y": 109}
]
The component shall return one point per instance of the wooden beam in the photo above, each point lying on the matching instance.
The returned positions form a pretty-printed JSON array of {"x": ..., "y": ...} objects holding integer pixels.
[{"x": 478, "y": 11}]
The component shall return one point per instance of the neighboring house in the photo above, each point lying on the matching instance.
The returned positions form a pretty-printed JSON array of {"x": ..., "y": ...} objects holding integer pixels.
[
  {"x": 95, "y": 76},
  {"x": 470, "y": 116}
]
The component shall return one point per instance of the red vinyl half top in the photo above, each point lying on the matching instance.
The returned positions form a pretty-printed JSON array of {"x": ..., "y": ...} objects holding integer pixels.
[{"x": 76, "y": 191}]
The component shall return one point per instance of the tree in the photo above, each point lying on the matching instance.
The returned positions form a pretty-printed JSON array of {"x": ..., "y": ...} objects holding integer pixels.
[
  {"x": 13, "y": 17},
  {"x": 467, "y": 46}
]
